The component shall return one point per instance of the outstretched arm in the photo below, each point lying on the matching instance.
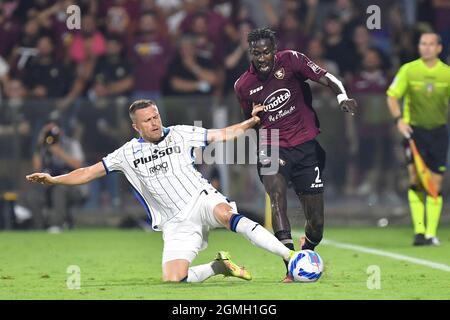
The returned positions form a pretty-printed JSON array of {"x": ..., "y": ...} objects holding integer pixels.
[
  {"x": 346, "y": 104},
  {"x": 232, "y": 132},
  {"x": 75, "y": 177}
]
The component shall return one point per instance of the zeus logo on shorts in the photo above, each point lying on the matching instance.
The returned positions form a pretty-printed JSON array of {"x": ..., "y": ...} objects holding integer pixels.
[
  {"x": 157, "y": 153},
  {"x": 276, "y": 100}
]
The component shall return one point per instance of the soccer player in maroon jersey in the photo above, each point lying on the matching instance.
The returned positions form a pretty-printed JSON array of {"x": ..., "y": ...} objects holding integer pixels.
[{"x": 277, "y": 80}]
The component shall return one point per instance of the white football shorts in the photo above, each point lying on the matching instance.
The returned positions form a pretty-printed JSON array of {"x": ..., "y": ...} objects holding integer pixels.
[{"x": 184, "y": 239}]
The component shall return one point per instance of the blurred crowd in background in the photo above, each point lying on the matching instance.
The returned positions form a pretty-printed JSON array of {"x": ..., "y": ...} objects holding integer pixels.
[{"x": 186, "y": 55}]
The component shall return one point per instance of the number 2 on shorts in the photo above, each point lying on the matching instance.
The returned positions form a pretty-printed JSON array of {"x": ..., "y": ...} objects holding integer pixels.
[{"x": 318, "y": 180}]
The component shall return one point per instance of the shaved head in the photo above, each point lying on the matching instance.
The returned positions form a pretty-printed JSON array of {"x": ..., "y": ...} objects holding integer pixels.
[{"x": 140, "y": 104}]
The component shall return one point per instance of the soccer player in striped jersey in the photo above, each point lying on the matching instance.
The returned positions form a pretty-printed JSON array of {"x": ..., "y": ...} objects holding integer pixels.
[{"x": 178, "y": 200}]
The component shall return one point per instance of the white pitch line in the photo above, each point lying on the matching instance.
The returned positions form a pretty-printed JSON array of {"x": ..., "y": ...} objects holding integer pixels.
[
  {"x": 396, "y": 256},
  {"x": 378, "y": 252}
]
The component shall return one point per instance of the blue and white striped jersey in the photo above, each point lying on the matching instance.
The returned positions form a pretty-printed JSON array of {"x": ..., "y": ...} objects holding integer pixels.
[{"x": 162, "y": 173}]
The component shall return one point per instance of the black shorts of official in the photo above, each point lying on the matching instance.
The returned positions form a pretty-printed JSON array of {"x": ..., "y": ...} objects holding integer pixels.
[
  {"x": 432, "y": 145},
  {"x": 301, "y": 166}
]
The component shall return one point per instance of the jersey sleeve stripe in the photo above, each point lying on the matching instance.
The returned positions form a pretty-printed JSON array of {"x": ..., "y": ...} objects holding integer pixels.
[{"x": 105, "y": 166}]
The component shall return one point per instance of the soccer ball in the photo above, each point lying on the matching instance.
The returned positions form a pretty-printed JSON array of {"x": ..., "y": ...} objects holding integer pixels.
[{"x": 305, "y": 266}]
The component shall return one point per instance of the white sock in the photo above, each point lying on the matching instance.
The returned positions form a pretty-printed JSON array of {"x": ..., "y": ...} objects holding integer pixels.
[
  {"x": 259, "y": 236},
  {"x": 201, "y": 272}
]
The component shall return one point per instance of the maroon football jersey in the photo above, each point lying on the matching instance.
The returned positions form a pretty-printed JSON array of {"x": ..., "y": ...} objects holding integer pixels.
[{"x": 286, "y": 96}]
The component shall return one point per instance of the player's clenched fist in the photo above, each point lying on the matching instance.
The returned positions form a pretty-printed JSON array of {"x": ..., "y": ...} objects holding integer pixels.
[
  {"x": 349, "y": 105},
  {"x": 42, "y": 178}
]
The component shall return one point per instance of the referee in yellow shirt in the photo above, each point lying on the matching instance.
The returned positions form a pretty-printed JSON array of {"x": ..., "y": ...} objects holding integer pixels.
[{"x": 424, "y": 85}]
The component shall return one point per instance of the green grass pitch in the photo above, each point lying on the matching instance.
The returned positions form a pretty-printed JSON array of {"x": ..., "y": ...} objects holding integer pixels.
[{"x": 126, "y": 264}]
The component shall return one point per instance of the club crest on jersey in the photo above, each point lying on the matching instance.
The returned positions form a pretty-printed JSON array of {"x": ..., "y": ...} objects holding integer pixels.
[
  {"x": 279, "y": 74},
  {"x": 252, "y": 91}
]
